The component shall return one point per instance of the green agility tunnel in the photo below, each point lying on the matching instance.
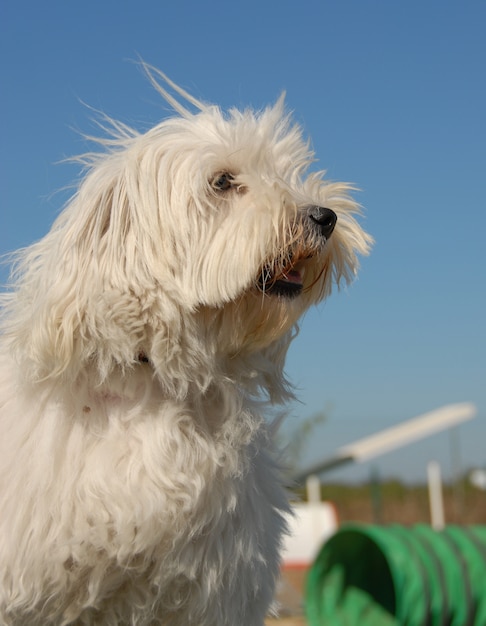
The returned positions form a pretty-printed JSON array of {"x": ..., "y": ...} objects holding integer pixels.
[{"x": 392, "y": 575}]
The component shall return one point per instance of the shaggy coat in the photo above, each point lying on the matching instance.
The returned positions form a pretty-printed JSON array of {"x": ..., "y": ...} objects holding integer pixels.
[{"x": 143, "y": 338}]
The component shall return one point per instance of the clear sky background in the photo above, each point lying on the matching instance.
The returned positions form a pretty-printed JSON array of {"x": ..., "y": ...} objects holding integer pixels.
[{"x": 393, "y": 95}]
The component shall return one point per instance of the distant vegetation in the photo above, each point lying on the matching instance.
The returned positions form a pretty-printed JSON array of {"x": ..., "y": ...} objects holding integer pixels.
[{"x": 393, "y": 501}]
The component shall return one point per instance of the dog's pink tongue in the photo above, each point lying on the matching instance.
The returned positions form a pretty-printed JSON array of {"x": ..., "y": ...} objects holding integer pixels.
[{"x": 293, "y": 276}]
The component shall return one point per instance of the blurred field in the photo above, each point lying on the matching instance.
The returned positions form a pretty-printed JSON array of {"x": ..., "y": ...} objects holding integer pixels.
[{"x": 394, "y": 502}]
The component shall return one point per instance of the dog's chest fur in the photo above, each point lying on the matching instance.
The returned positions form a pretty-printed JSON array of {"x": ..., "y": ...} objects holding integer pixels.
[{"x": 139, "y": 507}]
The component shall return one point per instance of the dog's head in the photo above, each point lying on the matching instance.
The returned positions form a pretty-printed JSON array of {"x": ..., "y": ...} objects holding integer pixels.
[{"x": 203, "y": 239}]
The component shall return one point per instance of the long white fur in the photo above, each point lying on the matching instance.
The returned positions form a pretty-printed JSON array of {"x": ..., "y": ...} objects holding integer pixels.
[{"x": 137, "y": 477}]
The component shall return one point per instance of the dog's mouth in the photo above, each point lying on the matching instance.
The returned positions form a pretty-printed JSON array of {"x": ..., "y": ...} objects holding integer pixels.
[
  {"x": 284, "y": 274},
  {"x": 288, "y": 282}
]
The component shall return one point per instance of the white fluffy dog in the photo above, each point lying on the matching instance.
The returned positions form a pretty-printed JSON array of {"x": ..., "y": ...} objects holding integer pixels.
[{"x": 142, "y": 340}]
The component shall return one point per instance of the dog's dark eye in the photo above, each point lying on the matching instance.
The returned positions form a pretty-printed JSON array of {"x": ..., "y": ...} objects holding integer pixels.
[{"x": 223, "y": 182}]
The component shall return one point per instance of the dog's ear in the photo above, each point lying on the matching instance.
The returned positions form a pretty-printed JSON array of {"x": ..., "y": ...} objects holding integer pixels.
[
  {"x": 98, "y": 290},
  {"x": 72, "y": 301}
]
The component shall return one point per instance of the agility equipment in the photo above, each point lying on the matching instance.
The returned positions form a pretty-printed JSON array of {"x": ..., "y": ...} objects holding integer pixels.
[{"x": 393, "y": 575}]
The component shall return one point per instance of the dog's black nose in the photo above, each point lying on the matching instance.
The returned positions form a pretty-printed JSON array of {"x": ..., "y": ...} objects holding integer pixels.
[{"x": 324, "y": 218}]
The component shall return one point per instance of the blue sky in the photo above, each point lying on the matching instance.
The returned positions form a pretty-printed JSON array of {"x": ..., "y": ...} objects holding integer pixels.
[{"x": 393, "y": 95}]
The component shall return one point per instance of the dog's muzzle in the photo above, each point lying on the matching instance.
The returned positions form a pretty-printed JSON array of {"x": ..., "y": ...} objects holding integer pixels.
[{"x": 287, "y": 279}]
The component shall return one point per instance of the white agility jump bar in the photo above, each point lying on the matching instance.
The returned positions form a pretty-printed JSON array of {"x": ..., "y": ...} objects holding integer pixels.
[{"x": 395, "y": 437}]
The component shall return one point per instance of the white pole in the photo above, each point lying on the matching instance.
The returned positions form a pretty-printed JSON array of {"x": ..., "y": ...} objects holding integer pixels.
[
  {"x": 394, "y": 437},
  {"x": 437, "y": 519},
  {"x": 409, "y": 431},
  {"x": 313, "y": 488}
]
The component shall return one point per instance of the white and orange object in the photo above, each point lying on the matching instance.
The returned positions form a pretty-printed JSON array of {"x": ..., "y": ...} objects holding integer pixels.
[
  {"x": 310, "y": 526},
  {"x": 312, "y": 523}
]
